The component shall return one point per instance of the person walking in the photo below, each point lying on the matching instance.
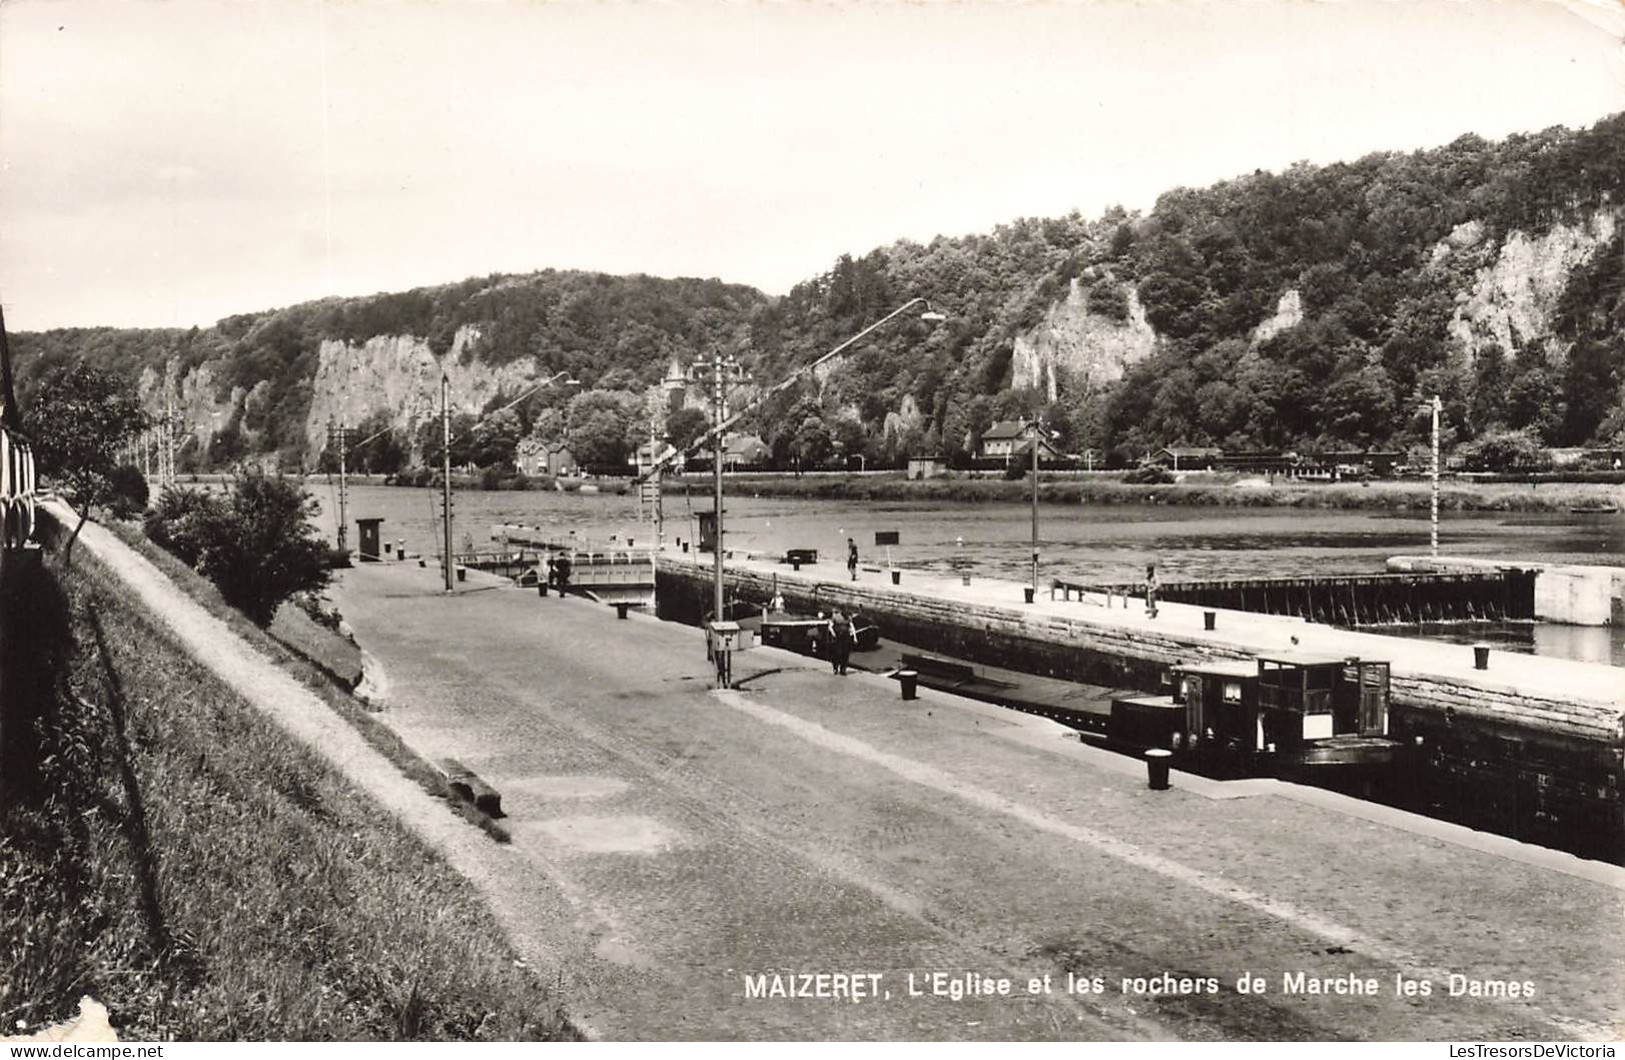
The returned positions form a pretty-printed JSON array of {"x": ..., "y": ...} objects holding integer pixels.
[
  {"x": 840, "y": 642},
  {"x": 1151, "y": 590},
  {"x": 852, "y": 558}
]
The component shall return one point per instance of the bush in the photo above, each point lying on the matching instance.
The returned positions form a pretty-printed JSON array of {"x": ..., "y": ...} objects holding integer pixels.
[
  {"x": 256, "y": 544},
  {"x": 128, "y": 492},
  {"x": 1499, "y": 450},
  {"x": 177, "y": 522},
  {"x": 1150, "y": 475}
]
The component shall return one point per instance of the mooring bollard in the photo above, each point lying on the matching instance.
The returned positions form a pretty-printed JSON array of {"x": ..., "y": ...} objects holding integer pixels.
[
  {"x": 541, "y": 587},
  {"x": 1481, "y": 656},
  {"x": 1027, "y": 591},
  {"x": 462, "y": 574},
  {"x": 400, "y": 548},
  {"x": 1208, "y": 619},
  {"x": 909, "y": 680},
  {"x": 897, "y": 577},
  {"x": 1156, "y": 768},
  {"x": 795, "y": 564},
  {"x": 620, "y": 608},
  {"x": 387, "y": 548}
]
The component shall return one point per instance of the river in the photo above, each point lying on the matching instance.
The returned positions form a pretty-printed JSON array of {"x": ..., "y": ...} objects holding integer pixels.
[{"x": 1110, "y": 543}]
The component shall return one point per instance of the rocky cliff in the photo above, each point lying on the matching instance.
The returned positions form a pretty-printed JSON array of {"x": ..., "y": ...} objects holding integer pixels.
[
  {"x": 1081, "y": 343},
  {"x": 1512, "y": 290}
]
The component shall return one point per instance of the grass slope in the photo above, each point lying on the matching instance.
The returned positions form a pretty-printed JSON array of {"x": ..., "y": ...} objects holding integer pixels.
[{"x": 206, "y": 877}]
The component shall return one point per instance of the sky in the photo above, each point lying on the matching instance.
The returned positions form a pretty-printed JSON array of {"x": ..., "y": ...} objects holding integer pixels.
[{"x": 171, "y": 162}]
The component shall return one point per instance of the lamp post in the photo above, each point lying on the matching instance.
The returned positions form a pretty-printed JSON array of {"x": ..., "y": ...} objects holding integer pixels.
[{"x": 719, "y": 429}]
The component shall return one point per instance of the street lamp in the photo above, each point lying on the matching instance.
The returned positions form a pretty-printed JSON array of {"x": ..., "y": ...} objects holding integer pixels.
[{"x": 717, "y": 432}]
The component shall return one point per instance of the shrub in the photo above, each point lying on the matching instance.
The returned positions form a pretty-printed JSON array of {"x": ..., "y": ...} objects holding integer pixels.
[
  {"x": 1150, "y": 475},
  {"x": 128, "y": 492},
  {"x": 256, "y": 544},
  {"x": 177, "y": 522}
]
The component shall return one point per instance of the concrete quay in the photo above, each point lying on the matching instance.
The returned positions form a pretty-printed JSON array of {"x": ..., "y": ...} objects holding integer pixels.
[
  {"x": 1596, "y": 693},
  {"x": 807, "y": 824}
]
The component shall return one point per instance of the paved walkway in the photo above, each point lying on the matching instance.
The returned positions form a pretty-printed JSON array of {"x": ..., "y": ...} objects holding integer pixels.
[{"x": 807, "y": 824}]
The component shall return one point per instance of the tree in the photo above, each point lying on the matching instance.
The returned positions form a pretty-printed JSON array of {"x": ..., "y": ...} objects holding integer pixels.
[
  {"x": 602, "y": 424},
  {"x": 259, "y": 545},
  {"x": 378, "y": 447},
  {"x": 685, "y": 425},
  {"x": 78, "y": 421},
  {"x": 495, "y": 439}
]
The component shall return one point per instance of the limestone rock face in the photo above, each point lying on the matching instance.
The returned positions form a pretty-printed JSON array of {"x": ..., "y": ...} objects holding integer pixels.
[
  {"x": 190, "y": 398},
  {"x": 1288, "y": 314},
  {"x": 907, "y": 418},
  {"x": 1513, "y": 290},
  {"x": 1081, "y": 343},
  {"x": 401, "y": 375}
]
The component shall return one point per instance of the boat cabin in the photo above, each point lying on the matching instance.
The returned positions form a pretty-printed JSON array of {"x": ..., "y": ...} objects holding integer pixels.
[
  {"x": 1221, "y": 702},
  {"x": 1304, "y": 697}
]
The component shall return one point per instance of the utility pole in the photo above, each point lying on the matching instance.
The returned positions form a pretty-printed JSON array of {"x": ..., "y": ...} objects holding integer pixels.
[
  {"x": 1036, "y": 430},
  {"x": 340, "y": 437},
  {"x": 168, "y": 473},
  {"x": 721, "y": 414},
  {"x": 445, "y": 462},
  {"x": 1437, "y": 407}
]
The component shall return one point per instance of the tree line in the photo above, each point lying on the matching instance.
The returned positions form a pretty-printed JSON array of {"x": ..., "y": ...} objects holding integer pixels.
[{"x": 1356, "y": 240}]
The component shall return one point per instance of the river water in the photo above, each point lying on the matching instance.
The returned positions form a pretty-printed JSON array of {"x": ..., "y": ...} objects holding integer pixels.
[{"x": 1095, "y": 543}]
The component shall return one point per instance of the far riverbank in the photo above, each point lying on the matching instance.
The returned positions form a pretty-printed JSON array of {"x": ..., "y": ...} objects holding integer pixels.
[
  {"x": 1210, "y": 490},
  {"x": 1200, "y": 489}
]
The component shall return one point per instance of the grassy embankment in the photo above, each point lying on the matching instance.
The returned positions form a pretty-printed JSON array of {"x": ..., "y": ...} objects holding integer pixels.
[
  {"x": 1209, "y": 490},
  {"x": 206, "y": 877}
]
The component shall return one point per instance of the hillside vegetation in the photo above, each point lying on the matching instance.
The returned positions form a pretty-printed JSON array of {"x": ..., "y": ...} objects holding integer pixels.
[{"x": 1317, "y": 307}]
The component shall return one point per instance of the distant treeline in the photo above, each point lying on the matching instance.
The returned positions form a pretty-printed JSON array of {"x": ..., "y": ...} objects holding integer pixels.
[{"x": 1356, "y": 240}]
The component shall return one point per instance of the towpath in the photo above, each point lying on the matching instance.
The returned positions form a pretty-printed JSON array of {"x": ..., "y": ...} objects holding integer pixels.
[{"x": 809, "y": 824}]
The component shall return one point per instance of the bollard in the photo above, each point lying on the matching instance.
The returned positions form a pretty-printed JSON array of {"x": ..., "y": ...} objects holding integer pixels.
[
  {"x": 795, "y": 564},
  {"x": 387, "y": 548},
  {"x": 1027, "y": 591},
  {"x": 1481, "y": 656},
  {"x": 462, "y": 574},
  {"x": 541, "y": 587},
  {"x": 620, "y": 608},
  {"x": 897, "y": 577},
  {"x": 1156, "y": 768},
  {"x": 400, "y": 548},
  {"x": 909, "y": 680},
  {"x": 964, "y": 579},
  {"x": 1208, "y": 619}
]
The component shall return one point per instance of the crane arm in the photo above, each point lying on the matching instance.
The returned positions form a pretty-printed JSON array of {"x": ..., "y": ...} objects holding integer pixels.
[{"x": 720, "y": 430}]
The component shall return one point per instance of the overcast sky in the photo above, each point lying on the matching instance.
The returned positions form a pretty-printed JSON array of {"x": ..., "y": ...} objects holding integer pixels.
[{"x": 170, "y": 163}]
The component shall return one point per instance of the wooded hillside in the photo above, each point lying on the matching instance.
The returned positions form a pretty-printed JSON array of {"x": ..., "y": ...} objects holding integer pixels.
[{"x": 1397, "y": 267}]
